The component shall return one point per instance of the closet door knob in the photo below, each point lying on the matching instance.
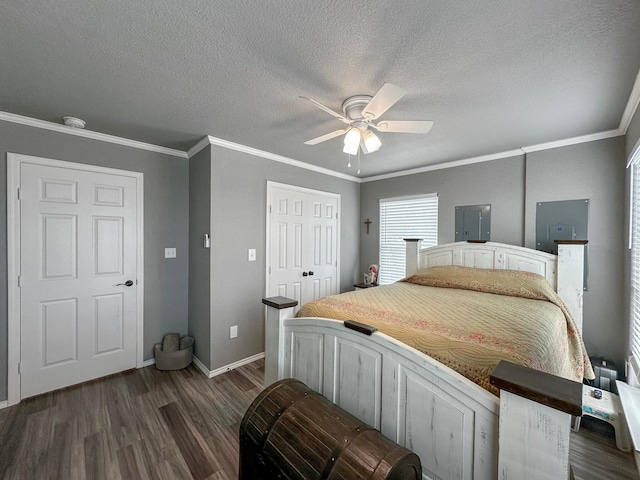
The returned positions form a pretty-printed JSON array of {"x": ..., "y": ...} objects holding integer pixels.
[
  {"x": 128, "y": 283},
  {"x": 310, "y": 272},
  {"x": 304, "y": 274}
]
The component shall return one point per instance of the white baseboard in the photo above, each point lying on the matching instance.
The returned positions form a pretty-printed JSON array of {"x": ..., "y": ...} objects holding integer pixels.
[
  {"x": 148, "y": 363},
  {"x": 226, "y": 368},
  {"x": 4, "y": 404},
  {"x": 205, "y": 370}
]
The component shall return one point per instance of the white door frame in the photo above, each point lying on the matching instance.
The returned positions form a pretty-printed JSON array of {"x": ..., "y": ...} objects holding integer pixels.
[
  {"x": 270, "y": 186},
  {"x": 14, "y": 162}
]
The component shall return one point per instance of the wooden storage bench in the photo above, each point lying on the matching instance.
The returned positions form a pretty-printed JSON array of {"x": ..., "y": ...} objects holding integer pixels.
[{"x": 293, "y": 432}]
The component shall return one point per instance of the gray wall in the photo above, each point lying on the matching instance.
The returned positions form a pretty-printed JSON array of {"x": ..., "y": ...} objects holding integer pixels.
[
  {"x": 238, "y": 216},
  {"x": 199, "y": 256},
  {"x": 593, "y": 170},
  {"x": 499, "y": 183},
  {"x": 165, "y": 225}
]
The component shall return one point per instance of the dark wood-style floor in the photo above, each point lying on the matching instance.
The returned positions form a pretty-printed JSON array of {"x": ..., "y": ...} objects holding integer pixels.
[{"x": 148, "y": 424}]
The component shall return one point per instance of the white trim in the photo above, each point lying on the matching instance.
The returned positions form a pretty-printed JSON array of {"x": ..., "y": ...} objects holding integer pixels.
[
  {"x": 226, "y": 368},
  {"x": 4, "y": 404},
  {"x": 409, "y": 197},
  {"x": 634, "y": 156},
  {"x": 103, "y": 137},
  {"x": 148, "y": 363},
  {"x": 200, "y": 366},
  {"x": 497, "y": 156},
  {"x": 630, "y": 109},
  {"x": 279, "y": 158},
  {"x": 14, "y": 162},
  {"x": 198, "y": 146},
  {"x": 573, "y": 141},
  {"x": 632, "y": 106},
  {"x": 296, "y": 188},
  {"x": 13, "y": 293},
  {"x": 442, "y": 166}
]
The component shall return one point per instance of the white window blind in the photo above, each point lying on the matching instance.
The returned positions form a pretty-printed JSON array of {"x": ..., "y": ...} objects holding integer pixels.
[
  {"x": 400, "y": 218},
  {"x": 634, "y": 339}
]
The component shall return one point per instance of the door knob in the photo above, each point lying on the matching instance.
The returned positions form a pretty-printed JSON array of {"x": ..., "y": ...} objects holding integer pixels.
[
  {"x": 310, "y": 272},
  {"x": 128, "y": 283},
  {"x": 304, "y": 274}
]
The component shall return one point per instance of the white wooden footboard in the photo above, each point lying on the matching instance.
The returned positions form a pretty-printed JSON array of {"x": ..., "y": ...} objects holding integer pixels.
[
  {"x": 450, "y": 422},
  {"x": 453, "y": 425}
]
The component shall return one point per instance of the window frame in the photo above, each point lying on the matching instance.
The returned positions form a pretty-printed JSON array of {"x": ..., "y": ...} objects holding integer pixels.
[
  {"x": 634, "y": 247},
  {"x": 392, "y": 249}
]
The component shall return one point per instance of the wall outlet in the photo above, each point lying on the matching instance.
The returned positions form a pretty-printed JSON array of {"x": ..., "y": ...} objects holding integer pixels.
[
  {"x": 169, "y": 253},
  {"x": 233, "y": 331},
  {"x": 252, "y": 254}
]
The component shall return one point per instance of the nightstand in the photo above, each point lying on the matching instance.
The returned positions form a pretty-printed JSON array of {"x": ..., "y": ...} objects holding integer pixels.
[{"x": 362, "y": 286}]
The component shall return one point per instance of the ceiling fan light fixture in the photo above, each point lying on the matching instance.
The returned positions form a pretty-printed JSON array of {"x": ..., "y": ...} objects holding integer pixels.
[
  {"x": 352, "y": 141},
  {"x": 371, "y": 141},
  {"x": 350, "y": 149}
]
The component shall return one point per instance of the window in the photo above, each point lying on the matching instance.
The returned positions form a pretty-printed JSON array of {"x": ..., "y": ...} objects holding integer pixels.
[
  {"x": 400, "y": 218},
  {"x": 634, "y": 335}
]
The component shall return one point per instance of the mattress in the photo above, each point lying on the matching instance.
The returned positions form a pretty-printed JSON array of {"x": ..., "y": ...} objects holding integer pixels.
[{"x": 469, "y": 319}]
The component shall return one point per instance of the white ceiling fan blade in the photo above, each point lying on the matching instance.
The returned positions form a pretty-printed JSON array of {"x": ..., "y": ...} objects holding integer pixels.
[
  {"x": 328, "y": 110},
  {"x": 409, "y": 126},
  {"x": 383, "y": 101},
  {"x": 328, "y": 136}
]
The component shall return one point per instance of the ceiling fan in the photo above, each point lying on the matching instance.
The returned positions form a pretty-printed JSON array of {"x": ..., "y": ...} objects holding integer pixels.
[{"x": 360, "y": 113}]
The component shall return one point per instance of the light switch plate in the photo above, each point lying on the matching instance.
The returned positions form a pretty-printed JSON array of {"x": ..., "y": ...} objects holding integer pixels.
[
  {"x": 233, "y": 331},
  {"x": 252, "y": 254},
  {"x": 169, "y": 253}
]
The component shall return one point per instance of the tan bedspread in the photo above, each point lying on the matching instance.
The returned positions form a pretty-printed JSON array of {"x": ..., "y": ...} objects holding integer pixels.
[{"x": 470, "y": 319}]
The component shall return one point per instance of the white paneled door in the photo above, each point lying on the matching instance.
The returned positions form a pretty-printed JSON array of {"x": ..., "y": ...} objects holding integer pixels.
[
  {"x": 77, "y": 284},
  {"x": 302, "y": 243}
]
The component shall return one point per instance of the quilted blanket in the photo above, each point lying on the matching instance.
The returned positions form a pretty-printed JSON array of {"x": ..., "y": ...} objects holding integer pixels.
[{"x": 469, "y": 319}]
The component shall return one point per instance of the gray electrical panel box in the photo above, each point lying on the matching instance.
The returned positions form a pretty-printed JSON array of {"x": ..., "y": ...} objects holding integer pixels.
[
  {"x": 473, "y": 222},
  {"x": 562, "y": 220}
]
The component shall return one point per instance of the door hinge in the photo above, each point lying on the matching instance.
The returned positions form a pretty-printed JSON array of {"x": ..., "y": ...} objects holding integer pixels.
[
  {"x": 18, "y": 193},
  {"x": 269, "y": 208},
  {"x": 19, "y": 368},
  {"x": 269, "y": 269},
  {"x": 19, "y": 281}
]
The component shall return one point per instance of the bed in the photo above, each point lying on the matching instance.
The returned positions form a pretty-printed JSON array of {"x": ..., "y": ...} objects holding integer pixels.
[{"x": 440, "y": 405}]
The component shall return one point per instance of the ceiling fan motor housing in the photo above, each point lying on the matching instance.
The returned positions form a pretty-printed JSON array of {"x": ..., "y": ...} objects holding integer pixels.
[{"x": 353, "y": 106}]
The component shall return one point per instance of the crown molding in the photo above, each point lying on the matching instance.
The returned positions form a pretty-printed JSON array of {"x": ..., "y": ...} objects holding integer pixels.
[
  {"x": 629, "y": 112},
  {"x": 198, "y": 147},
  {"x": 497, "y": 156},
  {"x": 632, "y": 105},
  {"x": 269, "y": 156},
  {"x": 573, "y": 141},
  {"x": 102, "y": 137},
  {"x": 442, "y": 166}
]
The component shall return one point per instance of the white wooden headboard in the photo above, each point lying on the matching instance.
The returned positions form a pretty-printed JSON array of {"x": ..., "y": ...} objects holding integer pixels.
[{"x": 564, "y": 271}]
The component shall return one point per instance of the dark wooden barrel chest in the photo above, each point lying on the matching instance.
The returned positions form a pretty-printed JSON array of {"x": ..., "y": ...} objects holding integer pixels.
[{"x": 293, "y": 432}]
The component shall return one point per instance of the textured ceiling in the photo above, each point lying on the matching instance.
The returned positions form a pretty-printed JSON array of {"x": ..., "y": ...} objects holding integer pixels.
[{"x": 493, "y": 75}]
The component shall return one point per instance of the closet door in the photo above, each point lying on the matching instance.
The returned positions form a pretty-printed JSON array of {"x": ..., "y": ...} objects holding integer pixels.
[
  {"x": 321, "y": 254},
  {"x": 302, "y": 243}
]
